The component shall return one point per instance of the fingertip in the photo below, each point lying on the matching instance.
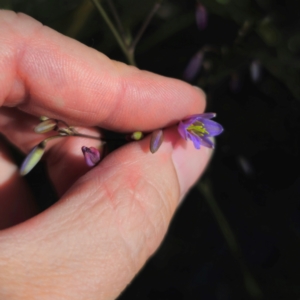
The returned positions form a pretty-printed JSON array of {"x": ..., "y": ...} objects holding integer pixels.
[
  {"x": 189, "y": 163},
  {"x": 202, "y": 95}
]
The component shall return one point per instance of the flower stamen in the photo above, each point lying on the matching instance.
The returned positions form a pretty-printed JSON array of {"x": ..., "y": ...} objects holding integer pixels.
[{"x": 198, "y": 129}]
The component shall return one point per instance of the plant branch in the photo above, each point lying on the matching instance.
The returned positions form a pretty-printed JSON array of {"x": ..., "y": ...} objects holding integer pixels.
[
  {"x": 98, "y": 138},
  {"x": 76, "y": 134},
  {"x": 116, "y": 34},
  {"x": 250, "y": 283},
  {"x": 145, "y": 25},
  {"x": 117, "y": 19}
]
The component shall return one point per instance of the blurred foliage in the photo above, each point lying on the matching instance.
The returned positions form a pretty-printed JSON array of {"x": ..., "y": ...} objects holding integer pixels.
[
  {"x": 265, "y": 30},
  {"x": 254, "y": 173}
]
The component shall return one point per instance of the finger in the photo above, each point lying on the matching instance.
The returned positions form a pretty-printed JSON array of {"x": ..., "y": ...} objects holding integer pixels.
[
  {"x": 49, "y": 74},
  {"x": 16, "y": 201},
  {"x": 95, "y": 239}
]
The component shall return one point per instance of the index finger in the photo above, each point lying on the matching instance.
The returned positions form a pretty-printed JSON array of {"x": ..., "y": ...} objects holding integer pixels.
[{"x": 46, "y": 73}]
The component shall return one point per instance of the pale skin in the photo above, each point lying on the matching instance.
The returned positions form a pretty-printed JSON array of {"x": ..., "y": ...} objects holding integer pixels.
[{"x": 109, "y": 219}]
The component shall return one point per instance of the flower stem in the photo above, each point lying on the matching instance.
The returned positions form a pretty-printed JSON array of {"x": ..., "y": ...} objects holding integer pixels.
[
  {"x": 45, "y": 141},
  {"x": 76, "y": 134},
  {"x": 97, "y": 138},
  {"x": 116, "y": 34},
  {"x": 117, "y": 18},
  {"x": 250, "y": 283}
]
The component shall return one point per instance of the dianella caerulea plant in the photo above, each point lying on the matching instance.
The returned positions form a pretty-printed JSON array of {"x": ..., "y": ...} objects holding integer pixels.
[{"x": 197, "y": 128}]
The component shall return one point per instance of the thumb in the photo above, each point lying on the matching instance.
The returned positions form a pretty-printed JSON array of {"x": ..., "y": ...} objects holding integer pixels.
[{"x": 92, "y": 242}]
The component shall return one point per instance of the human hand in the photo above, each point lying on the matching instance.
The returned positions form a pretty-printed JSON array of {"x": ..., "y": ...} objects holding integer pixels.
[{"x": 111, "y": 218}]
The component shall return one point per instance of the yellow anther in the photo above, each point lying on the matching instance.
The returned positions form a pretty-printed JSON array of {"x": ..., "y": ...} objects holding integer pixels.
[{"x": 198, "y": 128}]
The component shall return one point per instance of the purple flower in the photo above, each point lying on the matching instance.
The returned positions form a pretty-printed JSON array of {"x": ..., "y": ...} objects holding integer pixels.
[
  {"x": 91, "y": 155},
  {"x": 194, "y": 66},
  {"x": 198, "y": 129}
]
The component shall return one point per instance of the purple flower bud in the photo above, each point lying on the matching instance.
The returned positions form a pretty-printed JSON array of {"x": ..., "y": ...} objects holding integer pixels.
[
  {"x": 194, "y": 66},
  {"x": 201, "y": 16},
  {"x": 91, "y": 155},
  {"x": 245, "y": 165},
  {"x": 198, "y": 129},
  {"x": 156, "y": 140},
  {"x": 31, "y": 160},
  {"x": 235, "y": 83},
  {"x": 46, "y": 126},
  {"x": 255, "y": 70}
]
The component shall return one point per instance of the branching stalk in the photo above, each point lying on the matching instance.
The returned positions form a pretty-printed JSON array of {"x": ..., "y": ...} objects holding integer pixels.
[
  {"x": 250, "y": 283},
  {"x": 145, "y": 25},
  {"x": 117, "y": 19},
  {"x": 76, "y": 134},
  {"x": 116, "y": 34},
  {"x": 98, "y": 138}
]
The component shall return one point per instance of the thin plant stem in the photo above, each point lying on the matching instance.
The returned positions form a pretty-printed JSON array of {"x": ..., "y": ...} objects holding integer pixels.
[
  {"x": 45, "y": 141},
  {"x": 63, "y": 122},
  {"x": 249, "y": 281},
  {"x": 116, "y": 34},
  {"x": 145, "y": 25},
  {"x": 87, "y": 136},
  {"x": 97, "y": 138},
  {"x": 117, "y": 18}
]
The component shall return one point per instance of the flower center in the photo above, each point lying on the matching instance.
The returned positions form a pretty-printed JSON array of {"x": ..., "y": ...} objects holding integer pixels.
[{"x": 198, "y": 128}]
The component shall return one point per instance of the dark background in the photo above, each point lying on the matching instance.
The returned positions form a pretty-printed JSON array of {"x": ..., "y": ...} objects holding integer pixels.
[{"x": 237, "y": 234}]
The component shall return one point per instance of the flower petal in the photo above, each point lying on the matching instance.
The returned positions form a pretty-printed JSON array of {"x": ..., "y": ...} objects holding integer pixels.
[
  {"x": 195, "y": 139},
  {"x": 206, "y": 142},
  {"x": 182, "y": 130},
  {"x": 198, "y": 117},
  {"x": 212, "y": 127},
  {"x": 208, "y": 115},
  {"x": 191, "y": 119}
]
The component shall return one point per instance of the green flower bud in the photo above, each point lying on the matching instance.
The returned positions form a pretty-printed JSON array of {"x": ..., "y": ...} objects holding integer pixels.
[
  {"x": 46, "y": 126},
  {"x": 137, "y": 135},
  {"x": 32, "y": 159}
]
